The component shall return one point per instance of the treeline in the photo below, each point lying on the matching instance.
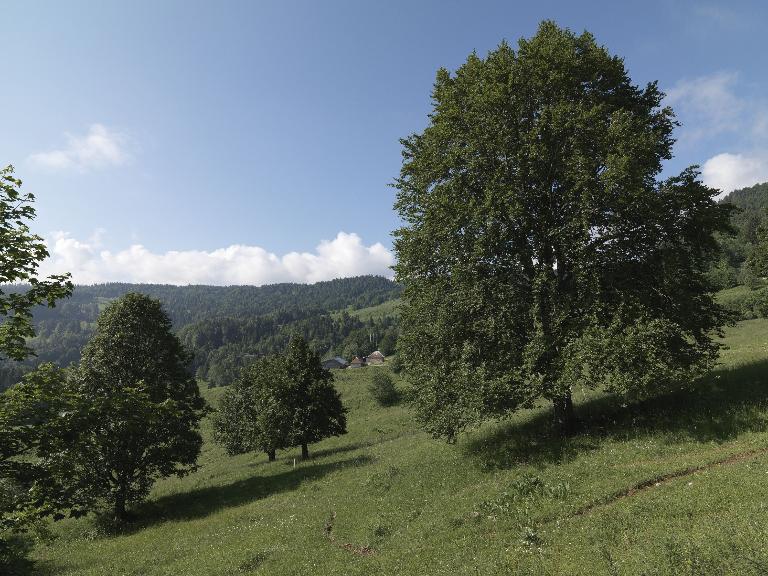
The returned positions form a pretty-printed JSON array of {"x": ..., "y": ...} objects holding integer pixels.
[
  {"x": 731, "y": 268},
  {"x": 223, "y": 325}
]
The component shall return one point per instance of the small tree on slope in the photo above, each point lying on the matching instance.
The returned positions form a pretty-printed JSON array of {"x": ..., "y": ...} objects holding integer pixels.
[
  {"x": 255, "y": 412},
  {"x": 540, "y": 252},
  {"x": 280, "y": 401},
  {"x": 317, "y": 409}
]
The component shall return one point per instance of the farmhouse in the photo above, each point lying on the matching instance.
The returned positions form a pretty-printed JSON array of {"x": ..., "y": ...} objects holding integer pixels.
[
  {"x": 375, "y": 358},
  {"x": 357, "y": 362},
  {"x": 336, "y": 363}
]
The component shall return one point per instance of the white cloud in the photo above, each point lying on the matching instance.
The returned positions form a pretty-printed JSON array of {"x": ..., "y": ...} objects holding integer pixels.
[
  {"x": 99, "y": 148},
  {"x": 344, "y": 256},
  {"x": 707, "y": 105},
  {"x": 730, "y": 172},
  {"x": 714, "y": 108}
]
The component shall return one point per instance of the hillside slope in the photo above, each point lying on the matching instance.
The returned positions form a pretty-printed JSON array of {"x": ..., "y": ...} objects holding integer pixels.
[{"x": 671, "y": 486}]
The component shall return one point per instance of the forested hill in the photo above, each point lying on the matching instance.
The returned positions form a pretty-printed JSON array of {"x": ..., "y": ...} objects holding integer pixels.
[
  {"x": 751, "y": 200},
  {"x": 751, "y": 204},
  {"x": 187, "y": 304},
  {"x": 245, "y": 320}
]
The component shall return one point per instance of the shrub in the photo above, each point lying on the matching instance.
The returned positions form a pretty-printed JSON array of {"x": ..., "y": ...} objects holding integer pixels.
[
  {"x": 395, "y": 364},
  {"x": 383, "y": 389}
]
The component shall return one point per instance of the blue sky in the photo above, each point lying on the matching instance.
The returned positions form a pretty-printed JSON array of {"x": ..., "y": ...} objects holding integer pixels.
[{"x": 233, "y": 142}]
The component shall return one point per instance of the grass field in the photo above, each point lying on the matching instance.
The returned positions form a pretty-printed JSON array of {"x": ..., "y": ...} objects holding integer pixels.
[
  {"x": 388, "y": 308},
  {"x": 678, "y": 485}
]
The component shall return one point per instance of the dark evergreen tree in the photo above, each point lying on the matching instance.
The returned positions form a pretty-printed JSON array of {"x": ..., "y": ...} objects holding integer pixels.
[
  {"x": 382, "y": 388},
  {"x": 758, "y": 259}
]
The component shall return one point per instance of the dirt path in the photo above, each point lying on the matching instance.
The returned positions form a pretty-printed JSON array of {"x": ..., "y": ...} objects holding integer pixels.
[{"x": 665, "y": 479}]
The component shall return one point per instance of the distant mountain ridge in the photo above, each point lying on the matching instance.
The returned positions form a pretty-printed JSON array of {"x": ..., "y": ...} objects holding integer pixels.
[
  {"x": 250, "y": 320},
  {"x": 750, "y": 198},
  {"x": 751, "y": 204}
]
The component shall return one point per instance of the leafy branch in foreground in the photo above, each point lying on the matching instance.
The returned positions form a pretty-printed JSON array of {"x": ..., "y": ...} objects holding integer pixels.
[{"x": 20, "y": 255}]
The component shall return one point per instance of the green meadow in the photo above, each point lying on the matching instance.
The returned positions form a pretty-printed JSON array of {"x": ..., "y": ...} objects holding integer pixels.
[
  {"x": 675, "y": 485},
  {"x": 390, "y": 308}
]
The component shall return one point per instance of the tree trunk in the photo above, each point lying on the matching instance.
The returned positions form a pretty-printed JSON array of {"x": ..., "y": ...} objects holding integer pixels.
[
  {"x": 271, "y": 455},
  {"x": 304, "y": 452},
  {"x": 120, "y": 513},
  {"x": 564, "y": 417}
]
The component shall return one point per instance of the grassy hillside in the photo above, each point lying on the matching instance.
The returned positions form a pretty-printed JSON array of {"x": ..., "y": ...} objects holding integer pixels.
[
  {"x": 672, "y": 486},
  {"x": 390, "y": 308},
  {"x": 732, "y": 296}
]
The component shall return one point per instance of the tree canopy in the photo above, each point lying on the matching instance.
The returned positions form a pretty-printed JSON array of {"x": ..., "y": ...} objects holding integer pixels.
[
  {"x": 21, "y": 499},
  {"x": 36, "y": 415},
  {"x": 758, "y": 260},
  {"x": 226, "y": 327},
  {"x": 733, "y": 266},
  {"x": 540, "y": 250}
]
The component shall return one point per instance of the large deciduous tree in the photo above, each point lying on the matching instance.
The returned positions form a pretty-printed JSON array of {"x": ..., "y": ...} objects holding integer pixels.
[
  {"x": 141, "y": 405},
  {"x": 36, "y": 415},
  {"x": 540, "y": 250}
]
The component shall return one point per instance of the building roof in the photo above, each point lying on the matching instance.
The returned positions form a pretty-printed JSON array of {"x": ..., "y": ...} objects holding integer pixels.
[
  {"x": 377, "y": 355},
  {"x": 337, "y": 359}
]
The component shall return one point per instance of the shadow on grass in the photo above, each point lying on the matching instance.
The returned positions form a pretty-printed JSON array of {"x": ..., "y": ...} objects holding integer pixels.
[
  {"x": 383, "y": 439},
  {"x": 15, "y": 561},
  {"x": 323, "y": 452},
  {"x": 25, "y": 567},
  {"x": 203, "y": 502},
  {"x": 717, "y": 408}
]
